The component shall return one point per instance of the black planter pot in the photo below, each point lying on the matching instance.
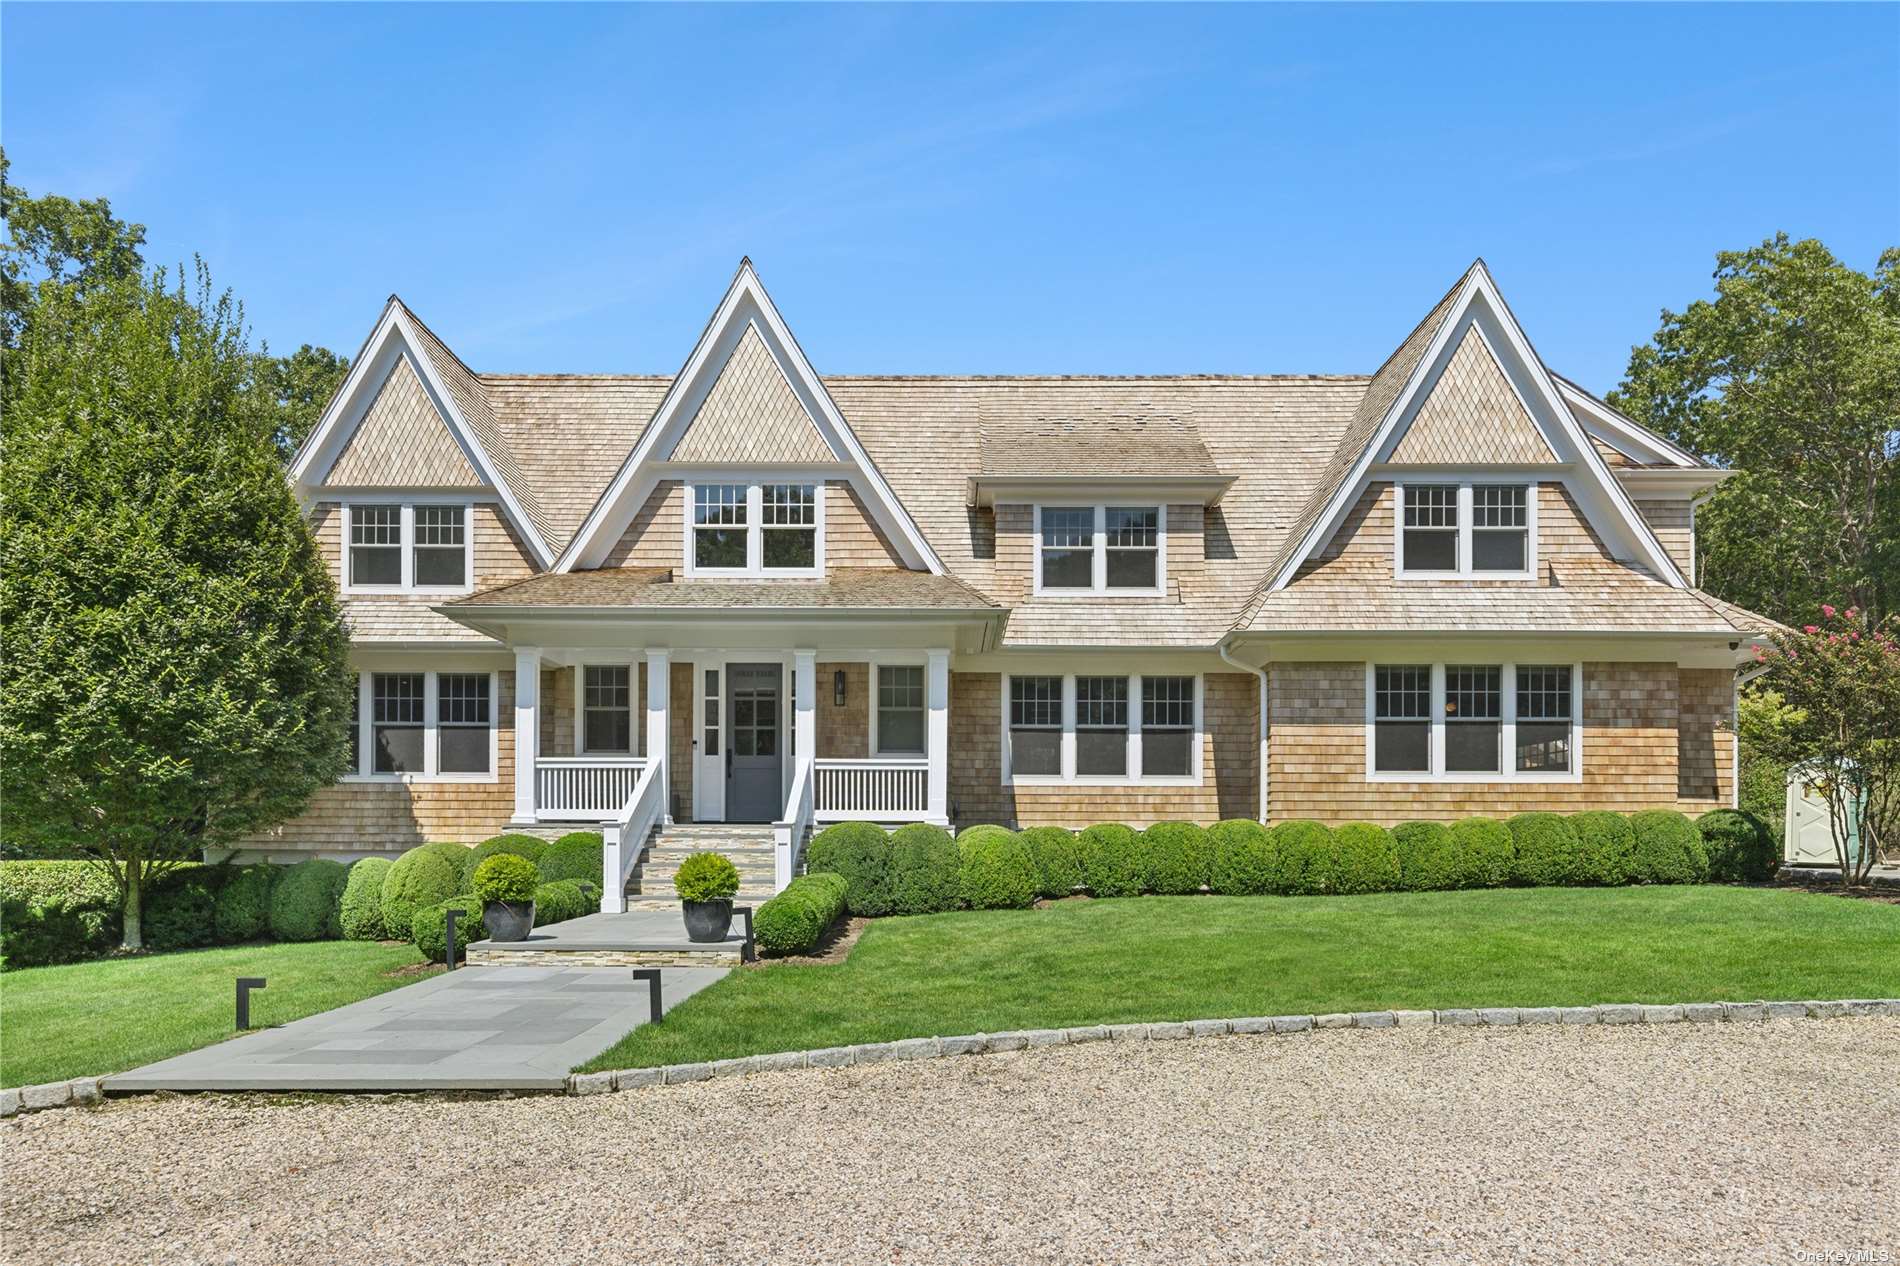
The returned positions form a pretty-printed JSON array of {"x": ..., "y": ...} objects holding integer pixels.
[
  {"x": 509, "y": 920},
  {"x": 707, "y": 920}
]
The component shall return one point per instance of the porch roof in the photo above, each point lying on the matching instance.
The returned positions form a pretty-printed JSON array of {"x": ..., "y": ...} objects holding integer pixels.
[{"x": 656, "y": 588}]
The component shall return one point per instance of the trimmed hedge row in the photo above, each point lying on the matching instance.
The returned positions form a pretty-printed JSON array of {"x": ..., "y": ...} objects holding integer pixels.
[
  {"x": 910, "y": 872},
  {"x": 794, "y": 920}
]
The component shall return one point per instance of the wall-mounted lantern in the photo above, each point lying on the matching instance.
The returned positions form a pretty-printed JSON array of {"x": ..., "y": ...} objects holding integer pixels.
[{"x": 837, "y": 688}]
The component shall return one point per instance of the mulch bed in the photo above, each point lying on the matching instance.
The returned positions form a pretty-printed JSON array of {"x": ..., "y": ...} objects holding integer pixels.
[{"x": 833, "y": 947}]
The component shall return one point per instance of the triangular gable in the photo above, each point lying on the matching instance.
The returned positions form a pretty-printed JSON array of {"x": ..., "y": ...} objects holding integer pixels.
[
  {"x": 453, "y": 394},
  {"x": 1622, "y": 434},
  {"x": 402, "y": 442},
  {"x": 1471, "y": 414},
  {"x": 745, "y": 313},
  {"x": 751, "y": 414},
  {"x": 1474, "y": 303}
]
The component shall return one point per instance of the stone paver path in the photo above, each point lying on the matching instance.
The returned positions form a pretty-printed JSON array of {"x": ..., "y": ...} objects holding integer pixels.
[{"x": 479, "y": 1028}]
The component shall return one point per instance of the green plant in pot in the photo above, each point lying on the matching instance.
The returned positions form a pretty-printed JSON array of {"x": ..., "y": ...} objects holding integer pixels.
[
  {"x": 506, "y": 884},
  {"x": 706, "y": 883}
]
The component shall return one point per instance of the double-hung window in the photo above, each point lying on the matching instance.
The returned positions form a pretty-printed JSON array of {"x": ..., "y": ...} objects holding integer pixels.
[
  {"x": 465, "y": 716},
  {"x": 720, "y": 531},
  {"x": 1101, "y": 725},
  {"x": 427, "y": 725},
  {"x": 396, "y": 701},
  {"x": 607, "y": 708},
  {"x": 756, "y": 529},
  {"x": 1167, "y": 727},
  {"x": 900, "y": 709},
  {"x": 1100, "y": 728},
  {"x": 1474, "y": 722},
  {"x": 1035, "y": 725},
  {"x": 409, "y": 548},
  {"x": 1466, "y": 529},
  {"x": 1100, "y": 549}
]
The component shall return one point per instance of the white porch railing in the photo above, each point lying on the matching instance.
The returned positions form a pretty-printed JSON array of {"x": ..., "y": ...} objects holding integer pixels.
[
  {"x": 887, "y": 789},
  {"x": 584, "y": 788},
  {"x": 625, "y": 838},
  {"x": 788, "y": 836}
]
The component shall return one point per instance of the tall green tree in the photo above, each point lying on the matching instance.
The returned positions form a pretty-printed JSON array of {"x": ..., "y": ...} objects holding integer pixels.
[
  {"x": 1791, "y": 374},
  {"x": 299, "y": 386},
  {"x": 55, "y": 240},
  {"x": 173, "y": 660}
]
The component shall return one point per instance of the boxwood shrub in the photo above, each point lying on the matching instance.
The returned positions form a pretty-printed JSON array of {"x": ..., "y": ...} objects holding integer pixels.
[
  {"x": 1740, "y": 847},
  {"x": 360, "y": 910},
  {"x": 521, "y": 845},
  {"x": 243, "y": 911},
  {"x": 55, "y": 912},
  {"x": 861, "y": 853},
  {"x": 423, "y": 876},
  {"x": 1111, "y": 860},
  {"x": 1668, "y": 849},
  {"x": 1608, "y": 845},
  {"x": 1178, "y": 856},
  {"x": 970, "y": 836},
  {"x": 795, "y": 920},
  {"x": 428, "y": 928},
  {"x": 506, "y": 877},
  {"x": 1058, "y": 859},
  {"x": 1364, "y": 859},
  {"x": 706, "y": 877},
  {"x": 924, "y": 869},
  {"x": 576, "y": 855},
  {"x": 1303, "y": 857},
  {"x": 997, "y": 872},
  {"x": 303, "y": 905},
  {"x": 1546, "y": 851},
  {"x": 564, "y": 899},
  {"x": 1244, "y": 860},
  {"x": 1485, "y": 853},
  {"x": 1428, "y": 860},
  {"x": 180, "y": 910}
]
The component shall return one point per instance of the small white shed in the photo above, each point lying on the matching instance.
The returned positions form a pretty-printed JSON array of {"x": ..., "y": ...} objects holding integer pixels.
[{"x": 1808, "y": 839}]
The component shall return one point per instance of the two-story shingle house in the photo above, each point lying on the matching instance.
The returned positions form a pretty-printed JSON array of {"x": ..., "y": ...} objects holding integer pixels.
[{"x": 747, "y": 592}]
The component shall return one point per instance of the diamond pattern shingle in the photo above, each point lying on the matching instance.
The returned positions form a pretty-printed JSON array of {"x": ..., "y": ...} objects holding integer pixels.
[
  {"x": 751, "y": 414},
  {"x": 402, "y": 440},
  {"x": 1472, "y": 415}
]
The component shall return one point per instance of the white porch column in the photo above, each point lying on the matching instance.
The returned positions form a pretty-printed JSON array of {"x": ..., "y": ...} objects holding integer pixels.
[
  {"x": 804, "y": 705},
  {"x": 527, "y": 729},
  {"x": 937, "y": 735},
  {"x": 658, "y": 682}
]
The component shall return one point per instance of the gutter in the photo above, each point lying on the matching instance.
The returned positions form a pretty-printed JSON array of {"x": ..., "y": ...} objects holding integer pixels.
[{"x": 1260, "y": 672}]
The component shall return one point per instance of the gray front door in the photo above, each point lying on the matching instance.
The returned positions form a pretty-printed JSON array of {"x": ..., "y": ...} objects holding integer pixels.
[{"x": 753, "y": 786}]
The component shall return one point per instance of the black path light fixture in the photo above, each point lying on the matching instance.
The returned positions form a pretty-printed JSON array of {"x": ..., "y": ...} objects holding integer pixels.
[
  {"x": 244, "y": 986},
  {"x": 837, "y": 689},
  {"x": 449, "y": 916},
  {"x": 652, "y": 976}
]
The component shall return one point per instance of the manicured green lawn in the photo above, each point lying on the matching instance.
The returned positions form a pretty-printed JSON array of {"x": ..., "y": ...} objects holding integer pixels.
[
  {"x": 88, "y": 1019},
  {"x": 1172, "y": 958}
]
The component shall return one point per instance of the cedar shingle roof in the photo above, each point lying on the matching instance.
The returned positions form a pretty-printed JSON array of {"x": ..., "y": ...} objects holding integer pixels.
[
  {"x": 852, "y": 588},
  {"x": 1080, "y": 433}
]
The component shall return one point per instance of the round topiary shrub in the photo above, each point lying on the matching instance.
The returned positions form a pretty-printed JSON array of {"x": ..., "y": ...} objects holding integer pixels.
[
  {"x": 706, "y": 877},
  {"x": 360, "y": 909},
  {"x": 1740, "y": 847},
  {"x": 180, "y": 910},
  {"x": 243, "y": 911},
  {"x": 1546, "y": 851},
  {"x": 576, "y": 855},
  {"x": 428, "y": 927},
  {"x": 795, "y": 920},
  {"x": 968, "y": 837},
  {"x": 1485, "y": 854},
  {"x": 1112, "y": 863},
  {"x": 861, "y": 852},
  {"x": 925, "y": 867},
  {"x": 1668, "y": 849},
  {"x": 1428, "y": 860},
  {"x": 1608, "y": 845},
  {"x": 1244, "y": 863},
  {"x": 562, "y": 900},
  {"x": 506, "y": 877},
  {"x": 1364, "y": 859},
  {"x": 1058, "y": 859},
  {"x": 1180, "y": 859},
  {"x": 303, "y": 905},
  {"x": 997, "y": 873},
  {"x": 423, "y": 876},
  {"x": 515, "y": 843},
  {"x": 1303, "y": 858}
]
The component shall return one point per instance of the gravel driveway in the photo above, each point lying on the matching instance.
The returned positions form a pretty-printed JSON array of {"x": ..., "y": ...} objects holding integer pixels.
[{"x": 1718, "y": 1143}]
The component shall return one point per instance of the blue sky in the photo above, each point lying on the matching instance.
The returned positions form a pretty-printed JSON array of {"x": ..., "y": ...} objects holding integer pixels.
[{"x": 964, "y": 189}]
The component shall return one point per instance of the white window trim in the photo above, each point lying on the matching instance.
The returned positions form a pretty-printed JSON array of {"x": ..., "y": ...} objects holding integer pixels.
[
  {"x": 1134, "y": 777},
  {"x": 1507, "y": 737},
  {"x": 876, "y": 742},
  {"x": 1098, "y": 586},
  {"x": 1465, "y": 483},
  {"x": 431, "y": 731},
  {"x": 406, "y": 549},
  {"x": 636, "y": 707},
  {"x": 755, "y": 530}
]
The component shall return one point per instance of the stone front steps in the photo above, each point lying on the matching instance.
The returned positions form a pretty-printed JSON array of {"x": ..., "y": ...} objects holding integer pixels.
[{"x": 650, "y": 887}]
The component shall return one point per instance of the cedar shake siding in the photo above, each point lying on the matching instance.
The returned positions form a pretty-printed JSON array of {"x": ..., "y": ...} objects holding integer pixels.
[
  {"x": 844, "y": 733},
  {"x": 1673, "y": 522}
]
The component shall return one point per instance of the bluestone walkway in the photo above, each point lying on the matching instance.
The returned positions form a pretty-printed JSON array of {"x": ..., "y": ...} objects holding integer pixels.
[{"x": 478, "y": 1028}]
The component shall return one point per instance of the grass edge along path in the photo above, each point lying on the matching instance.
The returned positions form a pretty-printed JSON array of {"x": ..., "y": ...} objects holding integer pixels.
[
  {"x": 1175, "y": 958},
  {"x": 115, "y": 1014}
]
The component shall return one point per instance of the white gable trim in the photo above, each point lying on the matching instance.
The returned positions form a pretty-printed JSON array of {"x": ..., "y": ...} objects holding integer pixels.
[
  {"x": 1603, "y": 501},
  {"x": 1602, "y": 422},
  {"x": 395, "y": 338},
  {"x": 745, "y": 304}
]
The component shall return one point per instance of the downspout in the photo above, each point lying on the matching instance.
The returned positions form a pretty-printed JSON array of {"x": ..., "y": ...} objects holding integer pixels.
[{"x": 1260, "y": 672}]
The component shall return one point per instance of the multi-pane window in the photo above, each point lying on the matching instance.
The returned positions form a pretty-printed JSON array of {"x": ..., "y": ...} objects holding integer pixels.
[
  {"x": 791, "y": 525},
  {"x": 1167, "y": 726},
  {"x": 719, "y": 526},
  {"x": 465, "y": 718},
  {"x": 1544, "y": 719},
  {"x": 1068, "y": 548},
  {"x": 441, "y": 552},
  {"x": 397, "y": 719},
  {"x": 711, "y": 740},
  {"x": 1035, "y": 725},
  {"x": 1474, "y": 718},
  {"x": 900, "y": 708},
  {"x": 1101, "y": 725},
  {"x": 1500, "y": 528},
  {"x": 1132, "y": 539},
  {"x": 1402, "y": 718},
  {"x": 607, "y": 708},
  {"x": 1099, "y": 549},
  {"x": 376, "y": 545},
  {"x": 1431, "y": 527}
]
